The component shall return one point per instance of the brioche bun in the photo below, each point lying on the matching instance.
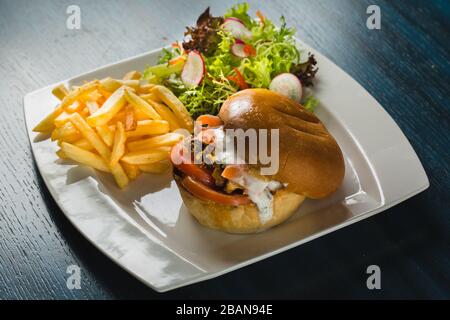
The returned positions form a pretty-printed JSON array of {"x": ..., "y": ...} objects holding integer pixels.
[
  {"x": 243, "y": 218},
  {"x": 310, "y": 160}
]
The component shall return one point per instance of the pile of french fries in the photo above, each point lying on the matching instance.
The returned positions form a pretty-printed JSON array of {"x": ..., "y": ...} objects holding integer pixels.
[{"x": 123, "y": 127}]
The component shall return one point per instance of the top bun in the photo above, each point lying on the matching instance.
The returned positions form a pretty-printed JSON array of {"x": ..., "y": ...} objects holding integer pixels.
[{"x": 310, "y": 160}]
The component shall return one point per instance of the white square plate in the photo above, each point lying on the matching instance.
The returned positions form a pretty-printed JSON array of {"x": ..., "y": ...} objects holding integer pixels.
[{"x": 147, "y": 230}]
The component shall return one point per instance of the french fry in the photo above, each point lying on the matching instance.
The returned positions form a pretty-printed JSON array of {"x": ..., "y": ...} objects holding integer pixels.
[
  {"x": 141, "y": 105},
  {"x": 176, "y": 105},
  {"x": 61, "y": 154},
  {"x": 168, "y": 139},
  {"x": 150, "y": 96},
  {"x": 147, "y": 96},
  {"x": 145, "y": 88},
  {"x": 139, "y": 115},
  {"x": 111, "y": 106},
  {"x": 110, "y": 84},
  {"x": 101, "y": 124},
  {"x": 55, "y": 134},
  {"x": 157, "y": 167},
  {"x": 120, "y": 176},
  {"x": 104, "y": 93},
  {"x": 132, "y": 75},
  {"x": 119, "y": 144},
  {"x": 61, "y": 119},
  {"x": 92, "y": 106},
  {"x": 91, "y": 136},
  {"x": 132, "y": 84},
  {"x": 130, "y": 119},
  {"x": 84, "y": 157},
  {"x": 83, "y": 144},
  {"x": 119, "y": 116},
  {"x": 166, "y": 114},
  {"x": 131, "y": 170},
  {"x": 106, "y": 134},
  {"x": 149, "y": 127},
  {"x": 147, "y": 156},
  {"x": 94, "y": 95},
  {"x": 60, "y": 91},
  {"x": 69, "y": 133},
  {"x": 77, "y": 92},
  {"x": 74, "y": 107},
  {"x": 48, "y": 123},
  {"x": 85, "y": 112}
]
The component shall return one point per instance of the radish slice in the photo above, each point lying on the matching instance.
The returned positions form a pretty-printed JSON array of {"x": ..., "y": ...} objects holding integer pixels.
[
  {"x": 193, "y": 70},
  {"x": 234, "y": 19},
  {"x": 288, "y": 85},
  {"x": 237, "y": 28},
  {"x": 238, "y": 49},
  {"x": 242, "y": 50}
]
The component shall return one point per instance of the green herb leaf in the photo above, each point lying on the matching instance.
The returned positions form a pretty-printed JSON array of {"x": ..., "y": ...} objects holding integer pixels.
[{"x": 310, "y": 103}]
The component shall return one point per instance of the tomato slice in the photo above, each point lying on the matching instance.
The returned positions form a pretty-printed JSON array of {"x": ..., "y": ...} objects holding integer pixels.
[
  {"x": 210, "y": 120},
  {"x": 198, "y": 173},
  {"x": 249, "y": 50},
  {"x": 203, "y": 192},
  {"x": 185, "y": 165}
]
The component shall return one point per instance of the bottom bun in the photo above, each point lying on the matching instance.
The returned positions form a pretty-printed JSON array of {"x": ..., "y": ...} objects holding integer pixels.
[{"x": 243, "y": 218}]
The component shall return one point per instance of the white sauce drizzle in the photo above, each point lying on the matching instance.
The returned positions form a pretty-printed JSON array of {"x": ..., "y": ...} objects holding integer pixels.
[{"x": 257, "y": 189}]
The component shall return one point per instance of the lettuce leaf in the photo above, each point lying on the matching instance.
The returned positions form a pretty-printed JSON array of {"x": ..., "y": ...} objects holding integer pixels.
[
  {"x": 240, "y": 11},
  {"x": 204, "y": 36},
  {"x": 310, "y": 103},
  {"x": 276, "y": 53}
]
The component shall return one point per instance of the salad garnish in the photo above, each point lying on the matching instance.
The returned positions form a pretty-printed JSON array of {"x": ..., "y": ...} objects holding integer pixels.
[{"x": 237, "y": 52}]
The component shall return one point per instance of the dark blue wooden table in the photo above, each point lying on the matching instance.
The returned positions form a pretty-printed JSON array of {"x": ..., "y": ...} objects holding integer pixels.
[{"x": 404, "y": 65}]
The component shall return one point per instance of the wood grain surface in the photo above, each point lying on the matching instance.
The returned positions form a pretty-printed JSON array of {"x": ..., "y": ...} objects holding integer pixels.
[{"x": 405, "y": 66}]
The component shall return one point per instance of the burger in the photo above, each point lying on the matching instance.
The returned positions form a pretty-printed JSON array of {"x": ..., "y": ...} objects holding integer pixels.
[{"x": 233, "y": 195}]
